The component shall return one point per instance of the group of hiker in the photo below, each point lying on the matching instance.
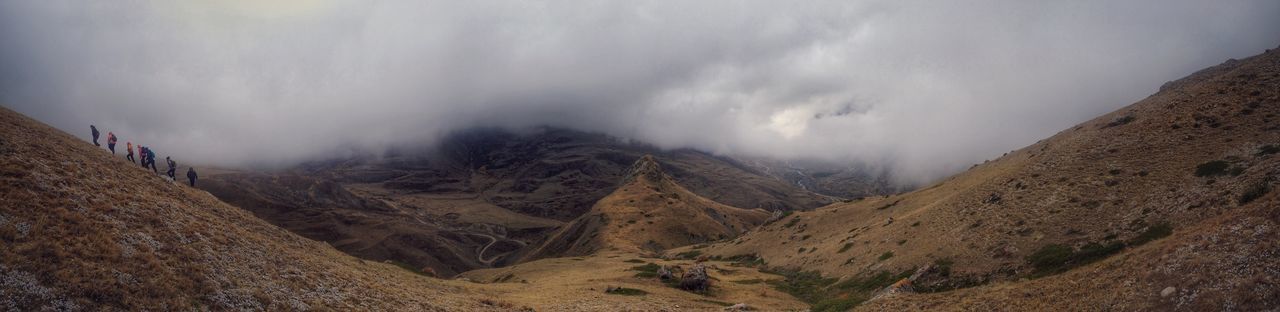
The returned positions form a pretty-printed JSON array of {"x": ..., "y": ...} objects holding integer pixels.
[{"x": 146, "y": 156}]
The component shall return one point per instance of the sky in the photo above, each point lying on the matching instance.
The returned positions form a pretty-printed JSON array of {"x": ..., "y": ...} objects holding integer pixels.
[{"x": 922, "y": 89}]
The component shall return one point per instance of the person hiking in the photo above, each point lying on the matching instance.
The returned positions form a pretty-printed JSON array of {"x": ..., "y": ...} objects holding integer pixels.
[
  {"x": 111, "y": 142},
  {"x": 128, "y": 147},
  {"x": 191, "y": 175},
  {"x": 151, "y": 159},
  {"x": 95, "y": 135},
  {"x": 172, "y": 167},
  {"x": 142, "y": 155}
]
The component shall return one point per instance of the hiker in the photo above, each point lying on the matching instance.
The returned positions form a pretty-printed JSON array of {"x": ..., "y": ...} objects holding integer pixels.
[
  {"x": 95, "y": 135},
  {"x": 142, "y": 155},
  {"x": 128, "y": 146},
  {"x": 191, "y": 175},
  {"x": 111, "y": 142},
  {"x": 172, "y": 166},
  {"x": 151, "y": 159}
]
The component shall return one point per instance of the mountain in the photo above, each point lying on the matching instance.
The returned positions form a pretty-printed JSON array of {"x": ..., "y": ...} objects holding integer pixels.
[
  {"x": 481, "y": 198},
  {"x": 1173, "y": 192},
  {"x": 828, "y": 178},
  {"x": 649, "y": 213},
  {"x": 83, "y": 230}
]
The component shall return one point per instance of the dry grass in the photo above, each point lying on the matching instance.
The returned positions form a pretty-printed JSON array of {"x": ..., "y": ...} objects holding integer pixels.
[
  {"x": 80, "y": 228},
  {"x": 1102, "y": 181},
  {"x": 649, "y": 213}
]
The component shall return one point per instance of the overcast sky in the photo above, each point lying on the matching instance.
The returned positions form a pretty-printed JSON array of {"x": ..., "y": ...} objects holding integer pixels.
[{"x": 923, "y": 88}]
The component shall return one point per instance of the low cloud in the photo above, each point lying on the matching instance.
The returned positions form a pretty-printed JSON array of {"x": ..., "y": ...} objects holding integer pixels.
[{"x": 920, "y": 88}]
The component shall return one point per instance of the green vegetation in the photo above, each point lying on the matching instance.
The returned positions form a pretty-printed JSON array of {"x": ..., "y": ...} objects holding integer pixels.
[
  {"x": 625, "y": 291},
  {"x": 1217, "y": 168},
  {"x": 1268, "y": 149},
  {"x": 1153, "y": 232},
  {"x": 749, "y": 281},
  {"x": 649, "y": 270},
  {"x": 747, "y": 260},
  {"x": 1120, "y": 121},
  {"x": 825, "y": 294},
  {"x": 809, "y": 286},
  {"x": 845, "y": 247},
  {"x": 1055, "y": 258},
  {"x": 792, "y": 222},
  {"x": 1254, "y": 192},
  {"x": 885, "y": 256},
  {"x": 689, "y": 255},
  {"x": 634, "y": 261}
]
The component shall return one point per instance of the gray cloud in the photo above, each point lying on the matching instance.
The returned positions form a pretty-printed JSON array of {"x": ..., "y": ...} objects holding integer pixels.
[{"x": 921, "y": 88}]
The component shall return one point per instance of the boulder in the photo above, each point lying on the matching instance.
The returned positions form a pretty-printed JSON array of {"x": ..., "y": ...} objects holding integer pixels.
[{"x": 696, "y": 279}]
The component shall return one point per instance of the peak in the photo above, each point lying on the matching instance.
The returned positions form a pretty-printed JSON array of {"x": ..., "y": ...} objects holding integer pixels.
[{"x": 647, "y": 168}]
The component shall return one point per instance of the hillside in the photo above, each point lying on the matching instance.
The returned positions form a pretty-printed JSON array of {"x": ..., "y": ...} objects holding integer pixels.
[
  {"x": 80, "y": 229},
  {"x": 650, "y": 212},
  {"x": 448, "y": 234},
  {"x": 83, "y": 230},
  {"x": 1197, "y": 160}
]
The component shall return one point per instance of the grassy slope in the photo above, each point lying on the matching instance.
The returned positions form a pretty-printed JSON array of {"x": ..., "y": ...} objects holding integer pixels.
[
  {"x": 648, "y": 212},
  {"x": 80, "y": 228},
  {"x": 578, "y": 284},
  {"x": 1107, "y": 180}
]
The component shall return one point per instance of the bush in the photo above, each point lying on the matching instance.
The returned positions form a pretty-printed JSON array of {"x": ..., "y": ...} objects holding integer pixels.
[
  {"x": 689, "y": 255},
  {"x": 886, "y": 255},
  {"x": 746, "y": 260},
  {"x": 1268, "y": 149},
  {"x": 646, "y": 271},
  {"x": 808, "y": 286},
  {"x": 1254, "y": 192},
  {"x": 1119, "y": 121},
  {"x": 845, "y": 247},
  {"x": 1153, "y": 232},
  {"x": 1050, "y": 257},
  {"x": 1217, "y": 168},
  {"x": 792, "y": 222},
  {"x": 825, "y": 294},
  {"x": 625, "y": 291},
  {"x": 1056, "y": 258}
]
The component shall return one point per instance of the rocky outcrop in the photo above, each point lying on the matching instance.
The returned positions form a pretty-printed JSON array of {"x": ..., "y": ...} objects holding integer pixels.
[{"x": 696, "y": 279}]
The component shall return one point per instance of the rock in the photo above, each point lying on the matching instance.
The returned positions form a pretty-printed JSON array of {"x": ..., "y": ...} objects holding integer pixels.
[
  {"x": 902, "y": 286},
  {"x": 695, "y": 279},
  {"x": 429, "y": 271},
  {"x": 664, "y": 273},
  {"x": 1168, "y": 291},
  {"x": 738, "y": 307}
]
